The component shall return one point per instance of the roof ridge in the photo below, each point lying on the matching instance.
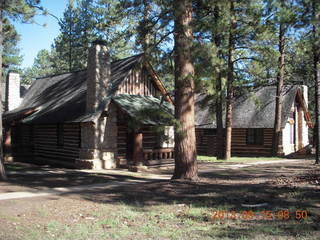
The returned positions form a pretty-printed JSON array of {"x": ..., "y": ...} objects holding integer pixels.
[
  {"x": 84, "y": 69},
  {"x": 59, "y": 74}
]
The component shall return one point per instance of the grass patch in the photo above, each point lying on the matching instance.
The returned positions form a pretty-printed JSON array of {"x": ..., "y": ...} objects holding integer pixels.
[
  {"x": 11, "y": 167},
  {"x": 162, "y": 221},
  {"x": 237, "y": 159}
]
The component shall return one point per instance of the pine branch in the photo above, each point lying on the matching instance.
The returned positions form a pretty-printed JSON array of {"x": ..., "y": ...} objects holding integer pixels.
[
  {"x": 246, "y": 58},
  {"x": 162, "y": 38}
]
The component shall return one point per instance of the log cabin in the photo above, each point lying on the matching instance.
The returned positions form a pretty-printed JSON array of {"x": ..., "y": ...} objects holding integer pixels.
[
  {"x": 84, "y": 119},
  {"x": 253, "y": 123}
]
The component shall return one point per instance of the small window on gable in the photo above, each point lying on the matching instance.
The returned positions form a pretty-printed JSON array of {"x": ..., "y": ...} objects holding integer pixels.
[
  {"x": 60, "y": 140},
  {"x": 255, "y": 136}
]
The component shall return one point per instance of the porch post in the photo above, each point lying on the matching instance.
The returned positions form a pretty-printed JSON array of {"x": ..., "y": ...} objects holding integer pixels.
[
  {"x": 300, "y": 119},
  {"x": 138, "y": 149}
]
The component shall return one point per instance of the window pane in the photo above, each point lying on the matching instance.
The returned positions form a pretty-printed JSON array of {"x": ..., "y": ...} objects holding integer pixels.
[
  {"x": 60, "y": 135},
  {"x": 250, "y": 136},
  {"x": 255, "y": 136},
  {"x": 259, "y": 136}
]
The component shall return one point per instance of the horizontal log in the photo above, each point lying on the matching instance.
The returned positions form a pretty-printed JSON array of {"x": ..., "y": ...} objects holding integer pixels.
[
  {"x": 56, "y": 154},
  {"x": 45, "y": 148},
  {"x": 59, "y": 161},
  {"x": 53, "y": 148}
]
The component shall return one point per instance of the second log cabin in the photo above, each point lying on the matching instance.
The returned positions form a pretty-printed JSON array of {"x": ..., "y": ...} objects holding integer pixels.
[{"x": 253, "y": 121}]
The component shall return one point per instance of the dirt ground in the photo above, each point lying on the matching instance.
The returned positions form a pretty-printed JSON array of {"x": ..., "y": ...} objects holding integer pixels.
[{"x": 158, "y": 209}]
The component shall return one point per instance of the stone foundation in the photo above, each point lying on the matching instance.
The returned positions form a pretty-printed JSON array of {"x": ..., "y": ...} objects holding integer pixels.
[{"x": 96, "y": 159}]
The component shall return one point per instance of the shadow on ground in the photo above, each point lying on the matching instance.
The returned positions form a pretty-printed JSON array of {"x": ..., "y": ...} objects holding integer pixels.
[{"x": 275, "y": 186}]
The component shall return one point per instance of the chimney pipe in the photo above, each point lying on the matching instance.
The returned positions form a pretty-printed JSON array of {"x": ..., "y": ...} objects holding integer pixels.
[{"x": 12, "y": 99}]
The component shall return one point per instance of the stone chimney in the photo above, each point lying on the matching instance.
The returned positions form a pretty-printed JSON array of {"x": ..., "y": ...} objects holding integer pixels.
[
  {"x": 98, "y": 75},
  {"x": 13, "y": 99},
  {"x": 98, "y": 138}
]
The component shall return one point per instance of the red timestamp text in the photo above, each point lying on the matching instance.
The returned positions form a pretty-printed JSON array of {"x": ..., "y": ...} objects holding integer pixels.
[{"x": 259, "y": 215}]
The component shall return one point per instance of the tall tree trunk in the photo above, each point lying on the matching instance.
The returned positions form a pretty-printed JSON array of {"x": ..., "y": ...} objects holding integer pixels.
[
  {"x": 3, "y": 175},
  {"x": 277, "y": 136},
  {"x": 70, "y": 49},
  {"x": 316, "y": 65},
  {"x": 317, "y": 108},
  {"x": 219, "y": 97},
  {"x": 185, "y": 141},
  {"x": 146, "y": 27},
  {"x": 230, "y": 79}
]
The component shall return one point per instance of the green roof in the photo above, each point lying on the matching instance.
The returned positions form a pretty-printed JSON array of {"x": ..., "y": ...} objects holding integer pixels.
[{"x": 146, "y": 109}]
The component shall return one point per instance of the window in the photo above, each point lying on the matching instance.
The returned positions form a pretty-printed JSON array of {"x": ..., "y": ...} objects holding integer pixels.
[
  {"x": 255, "y": 136},
  {"x": 60, "y": 134},
  {"x": 210, "y": 132}
]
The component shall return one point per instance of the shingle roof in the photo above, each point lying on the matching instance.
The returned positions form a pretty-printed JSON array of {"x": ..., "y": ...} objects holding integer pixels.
[
  {"x": 62, "y": 98},
  {"x": 145, "y": 109},
  {"x": 252, "y": 110}
]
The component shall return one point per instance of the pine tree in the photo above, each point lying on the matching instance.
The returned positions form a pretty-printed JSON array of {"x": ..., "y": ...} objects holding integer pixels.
[
  {"x": 43, "y": 65},
  {"x": 116, "y": 26},
  {"x": 316, "y": 71},
  {"x": 211, "y": 39},
  {"x": 76, "y": 32},
  {"x": 24, "y": 11},
  {"x": 66, "y": 43},
  {"x": 218, "y": 20},
  {"x": 230, "y": 80},
  {"x": 213, "y": 28},
  {"x": 152, "y": 27},
  {"x": 11, "y": 53},
  {"x": 185, "y": 142},
  {"x": 280, "y": 82},
  {"x": 283, "y": 17}
]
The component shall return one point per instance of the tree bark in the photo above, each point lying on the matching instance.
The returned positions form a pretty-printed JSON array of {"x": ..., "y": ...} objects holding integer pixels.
[
  {"x": 219, "y": 97},
  {"x": 185, "y": 141},
  {"x": 230, "y": 79},
  {"x": 277, "y": 141},
  {"x": 317, "y": 109},
  {"x": 146, "y": 28},
  {"x": 3, "y": 175},
  {"x": 316, "y": 66}
]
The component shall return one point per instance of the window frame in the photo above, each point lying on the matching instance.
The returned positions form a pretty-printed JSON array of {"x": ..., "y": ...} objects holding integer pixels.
[
  {"x": 60, "y": 135},
  {"x": 255, "y": 136}
]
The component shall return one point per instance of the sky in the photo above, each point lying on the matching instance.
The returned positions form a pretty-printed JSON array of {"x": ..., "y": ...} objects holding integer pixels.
[{"x": 35, "y": 37}]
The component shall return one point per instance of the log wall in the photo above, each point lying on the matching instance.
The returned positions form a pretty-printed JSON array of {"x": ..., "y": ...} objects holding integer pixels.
[
  {"x": 206, "y": 143},
  {"x": 122, "y": 142},
  {"x": 240, "y": 147},
  {"x": 139, "y": 82},
  {"x": 40, "y": 142},
  {"x": 150, "y": 138},
  {"x": 22, "y": 142}
]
